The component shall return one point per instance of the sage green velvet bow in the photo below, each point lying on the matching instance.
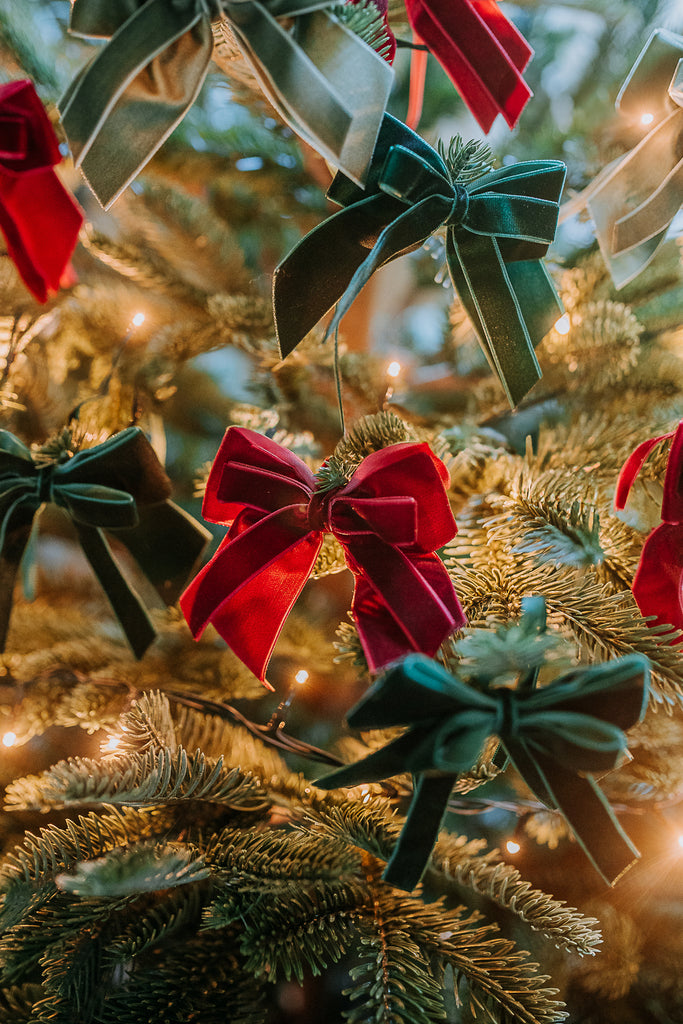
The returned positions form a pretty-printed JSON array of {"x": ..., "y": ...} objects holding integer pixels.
[
  {"x": 497, "y": 228},
  {"x": 118, "y": 485},
  {"x": 634, "y": 200},
  {"x": 328, "y": 84},
  {"x": 553, "y": 737}
]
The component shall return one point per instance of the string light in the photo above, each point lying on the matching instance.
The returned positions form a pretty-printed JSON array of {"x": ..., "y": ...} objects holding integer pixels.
[
  {"x": 646, "y": 119},
  {"x": 138, "y": 320},
  {"x": 563, "y": 325},
  {"x": 111, "y": 744},
  {"x": 393, "y": 369},
  {"x": 680, "y": 840},
  {"x": 9, "y": 739},
  {"x": 301, "y": 676},
  {"x": 512, "y": 846}
]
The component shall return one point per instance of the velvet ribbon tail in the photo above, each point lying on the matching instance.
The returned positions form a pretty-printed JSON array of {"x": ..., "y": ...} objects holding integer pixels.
[
  {"x": 420, "y": 832},
  {"x": 128, "y": 607},
  {"x": 250, "y": 585},
  {"x": 485, "y": 63},
  {"x": 632, "y": 467},
  {"x": 324, "y": 81},
  {"x": 137, "y": 88}
]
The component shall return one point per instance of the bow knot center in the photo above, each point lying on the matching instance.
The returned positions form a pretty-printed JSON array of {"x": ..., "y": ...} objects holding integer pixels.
[
  {"x": 44, "y": 482},
  {"x": 507, "y": 713},
  {"x": 459, "y": 207},
  {"x": 318, "y": 513}
]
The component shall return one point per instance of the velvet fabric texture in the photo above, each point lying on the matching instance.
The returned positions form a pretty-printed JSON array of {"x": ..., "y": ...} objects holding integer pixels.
[
  {"x": 389, "y": 518},
  {"x": 118, "y": 486},
  {"x": 555, "y": 737},
  {"x": 38, "y": 217}
]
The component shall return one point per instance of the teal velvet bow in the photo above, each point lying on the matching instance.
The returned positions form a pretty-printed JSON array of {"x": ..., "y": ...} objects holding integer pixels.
[
  {"x": 497, "y": 228},
  {"x": 555, "y": 737},
  {"x": 119, "y": 485},
  {"x": 328, "y": 84}
]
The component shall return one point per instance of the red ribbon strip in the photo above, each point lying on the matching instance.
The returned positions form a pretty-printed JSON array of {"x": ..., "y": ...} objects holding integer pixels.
[
  {"x": 38, "y": 217},
  {"x": 481, "y": 52},
  {"x": 658, "y": 581},
  {"x": 390, "y": 519}
]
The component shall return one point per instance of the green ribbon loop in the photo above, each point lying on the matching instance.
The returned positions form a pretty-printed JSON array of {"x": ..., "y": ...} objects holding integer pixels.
[
  {"x": 114, "y": 486},
  {"x": 555, "y": 737},
  {"x": 634, "y": 200},
  {"x": 327, "y": 84},
  {"x": 497, "y": 228}
]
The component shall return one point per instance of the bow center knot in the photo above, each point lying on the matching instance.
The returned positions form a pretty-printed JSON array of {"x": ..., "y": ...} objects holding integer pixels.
[
  {"x": 507, "y": 713},
  {"x": 459, "y": 207},
  {"x": 318, "y": 513},
  {"x": 44, "y": 482}
]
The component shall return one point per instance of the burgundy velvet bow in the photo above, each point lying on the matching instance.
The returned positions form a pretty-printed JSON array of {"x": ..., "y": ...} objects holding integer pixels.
[
  {"x": 658, "y": 581},
  {"x": 38, "y": 217},
  {"x": 390, "y": 518},
  {"x": 481, "y": 52}
]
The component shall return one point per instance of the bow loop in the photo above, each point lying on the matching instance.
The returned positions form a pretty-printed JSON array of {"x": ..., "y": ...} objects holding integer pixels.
[{"x": 403, "y": 598}]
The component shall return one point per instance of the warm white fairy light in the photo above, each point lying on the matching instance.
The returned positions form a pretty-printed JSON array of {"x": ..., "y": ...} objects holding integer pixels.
[
  {"x": 563, "y": 325},
  {"x": 9, "y": 739},
  {"x": 680, "y": 840},
  {"x": 138, "y": 320},
  {"x": 301, "y": 676},
  {"x": 393, "y": 369},
  {"x": 512, "y": 846},
  {"x": 111, "y": 744},
  {"x": 646, "y": 119}
]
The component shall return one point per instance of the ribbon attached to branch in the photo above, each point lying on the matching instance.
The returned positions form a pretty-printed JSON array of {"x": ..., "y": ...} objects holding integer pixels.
[
  {"x": 118, "y": 485},
  {"x": 389, "y": 518},
  {"x": 327, "y": 84},
  {"x": 482, "y": 53},
  {"x": 497, "y": 228},
  {"x": 635, "y": 199},
  {"x": 658, "y": 581},
  {"x": 555, "y": 738},
  {"x": 38, "y": 217}
]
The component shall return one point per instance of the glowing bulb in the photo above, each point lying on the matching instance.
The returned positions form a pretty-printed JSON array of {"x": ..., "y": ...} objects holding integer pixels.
[
  {"x": 301, "y": 676},
  {"x": 680, "y": 840},
  {"x": 111, "y": 744},
  {"x": 563, "y": 325},
  {"x": 646, "y": 119},
  {"x": 512, "y": 846},
  {"x": 138, "y": 319},
  {"x": 9, "y": 739},
  {"x": 393, "y": 369}
]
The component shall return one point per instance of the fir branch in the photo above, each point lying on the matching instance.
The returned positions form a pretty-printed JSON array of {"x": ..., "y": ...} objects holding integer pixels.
[
  {"x": 149, "y": 779},
  {"x": 484, "y": 873},
  {"x": 466, "y": 160},
  {"x": 131, "y": 870},
  {"x": 369, "y": 434},
  {"x": 553, "y": 531},
  {"x": 365, "y": 19}
]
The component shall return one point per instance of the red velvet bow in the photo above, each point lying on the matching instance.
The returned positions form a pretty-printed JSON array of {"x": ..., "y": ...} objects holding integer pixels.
[
  {"x": 658, "y": 582},
  {"x": 389, "y": 519},
  {"x": 38, "y": 217},
  {"x": 481, "y": 52}
]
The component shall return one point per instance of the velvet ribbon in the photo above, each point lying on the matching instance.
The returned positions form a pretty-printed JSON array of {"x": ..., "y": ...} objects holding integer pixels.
[
  {"x": 389, "y": 519},
  {"x": 327, "y": 84},
  {"x": 634, "y": 200},
  {"x": 482, "y": 53},
  {"x": 658, "y": 581},
  {"x": 118, "y": 485},
  {"x": 38, "y": 217},
  {"x": 498, "y": 227},
  {"x": 555, "y": 737}
]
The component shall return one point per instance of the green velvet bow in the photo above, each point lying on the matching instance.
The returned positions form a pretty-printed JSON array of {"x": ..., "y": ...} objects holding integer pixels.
[
  {"x": 119, "y": 485},
  {"x": 498, "y": 227},
  {"x": 552, "y": 736},
  {"x": 328, "y": 85}
]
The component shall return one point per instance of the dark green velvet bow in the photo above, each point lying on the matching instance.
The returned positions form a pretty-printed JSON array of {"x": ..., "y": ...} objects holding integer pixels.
[
  {"x": 553, "y": 737},
  {"x": 328, "y": 84},
  {"x": 498, "y": 227},
  {"x": 119, "y": 485}
]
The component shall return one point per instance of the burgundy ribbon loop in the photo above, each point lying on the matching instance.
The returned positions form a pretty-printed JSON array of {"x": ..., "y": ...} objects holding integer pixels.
[{"x": 389, "y": 519}]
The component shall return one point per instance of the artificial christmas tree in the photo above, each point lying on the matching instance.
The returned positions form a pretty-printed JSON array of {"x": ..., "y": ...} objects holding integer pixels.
[{"x": 180, "y": 843}]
